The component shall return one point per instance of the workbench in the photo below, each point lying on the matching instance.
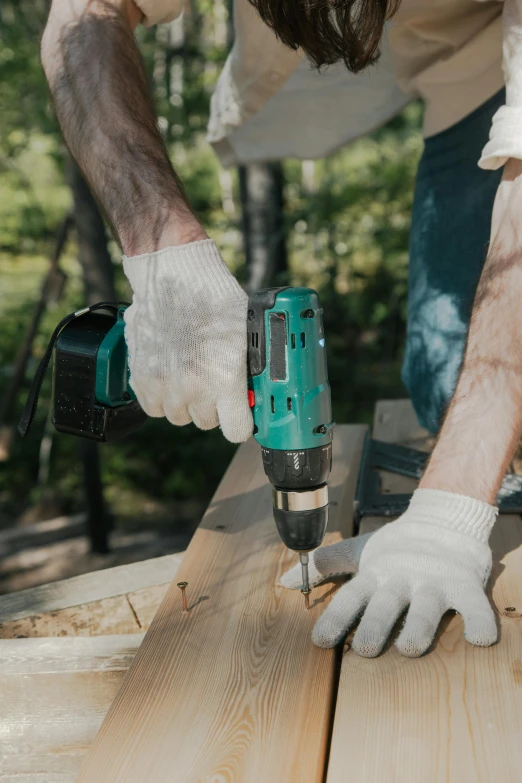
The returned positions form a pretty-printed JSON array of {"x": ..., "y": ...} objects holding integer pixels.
[{"x": 454, "y": 715}]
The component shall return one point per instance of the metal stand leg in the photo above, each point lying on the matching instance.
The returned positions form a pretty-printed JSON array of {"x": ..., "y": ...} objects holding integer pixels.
[{"x": 99, "y": 520}]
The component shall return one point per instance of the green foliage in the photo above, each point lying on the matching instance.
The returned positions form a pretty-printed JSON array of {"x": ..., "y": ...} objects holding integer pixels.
[
  {"x": 33, "y": 196},
  {"x": 23, "y": 90}
]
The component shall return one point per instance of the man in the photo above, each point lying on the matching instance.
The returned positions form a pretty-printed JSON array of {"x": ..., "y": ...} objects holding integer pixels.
[{"x": 186, "y": 326}]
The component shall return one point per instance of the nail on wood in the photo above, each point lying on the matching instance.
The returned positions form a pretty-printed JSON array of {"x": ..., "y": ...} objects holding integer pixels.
[{"x": 183, "y": 587}]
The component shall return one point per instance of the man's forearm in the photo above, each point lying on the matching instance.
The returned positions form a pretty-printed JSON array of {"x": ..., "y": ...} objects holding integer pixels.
[
  {"x": 104, "y": 108},
  {"x": 484, "y": 422}
]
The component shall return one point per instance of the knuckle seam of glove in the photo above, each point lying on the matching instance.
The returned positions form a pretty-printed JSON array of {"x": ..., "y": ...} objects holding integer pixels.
[{"x": 331, "y": 575}]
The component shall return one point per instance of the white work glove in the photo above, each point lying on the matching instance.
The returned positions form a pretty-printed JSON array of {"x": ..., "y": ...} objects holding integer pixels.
[
  {"x": 186, "y": 332},
  {"x": 433, "y": 558}
]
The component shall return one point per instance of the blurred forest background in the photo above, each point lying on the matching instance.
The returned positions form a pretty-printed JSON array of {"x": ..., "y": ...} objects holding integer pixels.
[{"x": 339, "y": 225}]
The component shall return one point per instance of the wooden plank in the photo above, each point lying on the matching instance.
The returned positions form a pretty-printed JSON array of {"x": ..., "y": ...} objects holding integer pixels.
[
  {"x": 234, "y": 690},
  {"x": 88, "y": 588},
  {"x": 37, "y": 777},
  {"x": 107, "y": 616},
  {"x": 452, "y": 716},
  {"x": 395, "y": 421},
  {"x": 130, "y": 613},
  {"x": 145, "y": 603},
  {"x": 55, "y": 694},
  {"x": 65, "y": 655}
]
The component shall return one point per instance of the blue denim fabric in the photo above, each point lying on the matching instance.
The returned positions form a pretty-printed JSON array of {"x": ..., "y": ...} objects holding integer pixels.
[{"x": 451, "y": 222}]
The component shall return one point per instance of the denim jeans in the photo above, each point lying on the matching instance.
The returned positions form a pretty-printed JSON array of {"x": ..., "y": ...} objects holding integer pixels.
[{"x": 451, "y": 222}]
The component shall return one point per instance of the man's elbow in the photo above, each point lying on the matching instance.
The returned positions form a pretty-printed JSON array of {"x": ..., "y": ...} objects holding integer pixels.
[{"x": 66, "y": 13}]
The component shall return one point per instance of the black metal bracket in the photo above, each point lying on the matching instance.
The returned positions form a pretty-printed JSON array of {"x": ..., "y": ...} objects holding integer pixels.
[{"x": 377, "y": 455}]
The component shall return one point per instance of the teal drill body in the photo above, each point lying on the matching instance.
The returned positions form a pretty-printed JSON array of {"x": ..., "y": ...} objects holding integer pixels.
[
  {"x": 291, "y": 402},
  {"x": 292, "y": 407}
]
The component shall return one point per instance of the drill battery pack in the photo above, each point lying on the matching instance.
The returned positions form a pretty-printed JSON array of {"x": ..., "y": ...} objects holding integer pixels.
[{"x": 92, "y": 397}]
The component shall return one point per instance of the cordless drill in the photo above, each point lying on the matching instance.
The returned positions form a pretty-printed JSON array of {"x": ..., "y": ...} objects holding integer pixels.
[
  {"x": 288, "y": 391},
  {"x": 290, "y": 398}
]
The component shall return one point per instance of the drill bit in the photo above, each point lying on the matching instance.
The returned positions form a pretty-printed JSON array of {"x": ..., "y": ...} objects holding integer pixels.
[{"x": 303, "y": 557}]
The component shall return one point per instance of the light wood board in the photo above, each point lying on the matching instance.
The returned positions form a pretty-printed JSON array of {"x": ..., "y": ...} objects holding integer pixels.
[
  {"x": 54, "y": 696},
  {"x": 129, "y": 613},
  {"x": 452, "y": 716},
  {"x": 395, "y": 421},
  {"x": 87, "y": 588},
  {"x": 234, "y": 690}
]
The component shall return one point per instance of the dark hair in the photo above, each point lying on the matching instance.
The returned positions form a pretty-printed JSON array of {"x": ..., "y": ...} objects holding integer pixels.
[{"x": 330, "y": 30}]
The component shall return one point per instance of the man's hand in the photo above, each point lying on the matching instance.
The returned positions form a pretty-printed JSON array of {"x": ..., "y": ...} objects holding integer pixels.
[
  {"x": 432, "y": 559},
  {"x": 187, "y": 338}
]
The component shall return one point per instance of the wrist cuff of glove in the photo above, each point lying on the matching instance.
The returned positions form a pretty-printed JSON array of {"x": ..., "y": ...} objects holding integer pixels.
[
  {"x": 199, "y": 262},
  {"x": 457, "y": 512}
]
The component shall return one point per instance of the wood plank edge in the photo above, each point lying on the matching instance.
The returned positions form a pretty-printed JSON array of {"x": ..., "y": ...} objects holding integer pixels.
[{"x": 86, "y": 588}]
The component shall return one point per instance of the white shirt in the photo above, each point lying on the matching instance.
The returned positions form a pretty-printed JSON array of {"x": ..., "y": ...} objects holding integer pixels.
[{"x": 455, "y": 54}]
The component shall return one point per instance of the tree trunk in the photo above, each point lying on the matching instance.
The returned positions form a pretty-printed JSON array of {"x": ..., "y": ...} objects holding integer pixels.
[
  {"x": 93, "y": 254},
  {"x": 261, "y": 189},
  {"x": 98, "y": 281}
]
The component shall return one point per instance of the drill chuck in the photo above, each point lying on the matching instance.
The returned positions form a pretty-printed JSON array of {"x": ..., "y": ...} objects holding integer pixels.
[
  {"x": 300, "y": 494},
  {"x": 301, "y": 517}
]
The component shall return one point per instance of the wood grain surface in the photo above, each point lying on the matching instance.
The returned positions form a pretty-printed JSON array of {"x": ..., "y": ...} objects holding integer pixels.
[
  {"x": 54, "y": 696},
  {"x": 452, "y": 716},
  {"x": 129, "y": 613},
  {"x": 234, "y": 691},
  {"x": 88, "y": 588}
]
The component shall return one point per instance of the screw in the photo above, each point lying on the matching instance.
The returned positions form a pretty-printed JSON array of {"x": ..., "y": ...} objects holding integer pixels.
[
  {"x": 183, "y": 586},
  {"x": 306, "y": 594}
]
